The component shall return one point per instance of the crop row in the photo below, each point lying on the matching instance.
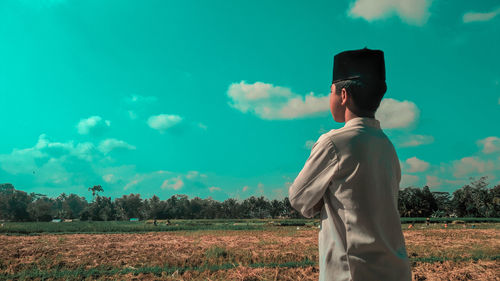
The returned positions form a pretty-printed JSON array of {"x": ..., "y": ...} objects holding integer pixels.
[
  {"x": 158, "y": 270},
  {"x": 184, "y": 225}
]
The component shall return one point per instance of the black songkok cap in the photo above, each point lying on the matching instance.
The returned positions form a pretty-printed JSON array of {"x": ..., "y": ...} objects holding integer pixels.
[{"x": 364, "y": 64}]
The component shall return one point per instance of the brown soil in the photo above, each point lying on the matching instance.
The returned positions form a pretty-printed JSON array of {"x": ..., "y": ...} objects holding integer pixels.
[{"x": 183, "y": 249}]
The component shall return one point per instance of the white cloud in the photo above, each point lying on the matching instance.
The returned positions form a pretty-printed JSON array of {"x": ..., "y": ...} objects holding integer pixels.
[
  {"x": 448, "y": 176},
  {"x": 278, "y": 194},
  {"x": 417, "y": 140},
  {"x": 490, "y": 144},
  {"x": 394, "y": 114},
  {"x": 108, "y": 145},
  {"x": 135, "y": 105},
  {"x": 92, "y": 125},
  {"x": 260, "y": 189},
  {"x": 163, "y": 122},
  {"x": 85, "y": 150},
  {"x": 471, "y": 165},
  {"x": 415, "y": 12},
  {"x": 408, "y": 180},
  {"x": 195, "y": 175},
  {"x": 299, "y": 107},
  {"x": 166, "y": 181},
  {"x": 192, "y": 174},
  {"x": 202, "y": 126},
  {"x": 309, "y": 144},
  {"x": 174, "y": 183},
  {"x": 53, "y": 164},
  {"x": 274, "y": 102},
  {"x": 132, "y": 114},
  {"x": 20, "y": 161},
  {"x": 108, "y": 178},
  {"x": 288, "y": 181},
  {"x": 478, "y": 17},
  {"x": 214, "y": 188},
  {"x": 50, "y": 166},
  {"x": 28, "y": 160},
  {"x": 131, "y": 184},
  {"x": 433, "y": 181},
  {"x": 138, "y": 99},
  {"x": 416, "y": 165}
]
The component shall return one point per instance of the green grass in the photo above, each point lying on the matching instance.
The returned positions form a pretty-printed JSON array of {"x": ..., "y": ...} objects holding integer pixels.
[
  {"x": 454, "y": 259},
  {"x": 216, "y": 252},
  {"x": 34, "y": 228},
  {"x": 449, "y": 220},
  {"x": 81, "y": 273},
  {"x": 440, "y": 225}
]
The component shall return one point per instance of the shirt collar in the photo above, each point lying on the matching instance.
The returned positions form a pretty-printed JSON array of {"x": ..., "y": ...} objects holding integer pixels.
[{"x": 372, "y": 122}]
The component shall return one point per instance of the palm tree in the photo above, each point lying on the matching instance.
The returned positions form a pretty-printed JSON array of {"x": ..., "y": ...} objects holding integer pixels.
[{"x": 95, "y": 190}]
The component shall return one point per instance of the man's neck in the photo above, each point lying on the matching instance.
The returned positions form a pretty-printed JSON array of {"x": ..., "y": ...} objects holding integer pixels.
[{"x": 351, "y": 115}]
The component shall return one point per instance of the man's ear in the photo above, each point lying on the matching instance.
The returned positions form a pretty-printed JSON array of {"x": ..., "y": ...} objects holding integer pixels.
[{"x": 343, "y": 97}]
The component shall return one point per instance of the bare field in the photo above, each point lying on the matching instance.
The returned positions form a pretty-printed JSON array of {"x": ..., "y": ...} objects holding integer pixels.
[{"x": 284, "y": 253}]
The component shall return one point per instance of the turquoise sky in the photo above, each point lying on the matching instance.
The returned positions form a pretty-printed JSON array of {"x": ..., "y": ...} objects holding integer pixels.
[{"x": 226, "y": 98}]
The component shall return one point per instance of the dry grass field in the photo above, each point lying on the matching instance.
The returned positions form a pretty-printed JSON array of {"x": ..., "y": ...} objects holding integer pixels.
[{"x": 278, "y": 253}]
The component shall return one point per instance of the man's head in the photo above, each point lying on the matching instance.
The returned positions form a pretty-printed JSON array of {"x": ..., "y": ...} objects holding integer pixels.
[
  {"x": 360, "y": 97},
  {"x": 358, "y": 83}
]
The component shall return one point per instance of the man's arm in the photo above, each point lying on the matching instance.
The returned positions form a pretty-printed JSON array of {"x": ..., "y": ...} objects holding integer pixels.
[
  {"x": 306, "y": 192},
  {"x": 318, "y": 207},
  {"x": 398, "y": 180}
]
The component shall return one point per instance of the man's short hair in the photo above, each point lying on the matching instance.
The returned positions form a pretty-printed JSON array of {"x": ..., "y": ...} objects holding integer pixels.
[{"x": 365, "y": 94}]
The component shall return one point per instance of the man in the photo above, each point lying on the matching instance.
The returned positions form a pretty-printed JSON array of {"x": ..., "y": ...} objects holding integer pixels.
[{"x": 352, "y": 179}]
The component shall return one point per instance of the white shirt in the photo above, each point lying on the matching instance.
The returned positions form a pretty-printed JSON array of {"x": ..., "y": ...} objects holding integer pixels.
[{"x": 352, "y": 178}]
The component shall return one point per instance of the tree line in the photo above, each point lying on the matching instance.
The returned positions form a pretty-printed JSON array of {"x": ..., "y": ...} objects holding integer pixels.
[{"x": 472, "y": 200}]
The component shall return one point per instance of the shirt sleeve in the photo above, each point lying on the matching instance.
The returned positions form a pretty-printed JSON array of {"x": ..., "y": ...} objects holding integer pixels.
[
  {"x": 306, "y": 192},
  {"x": 398, "y": 181}
]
